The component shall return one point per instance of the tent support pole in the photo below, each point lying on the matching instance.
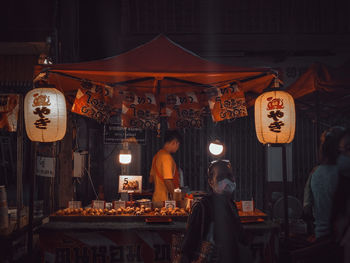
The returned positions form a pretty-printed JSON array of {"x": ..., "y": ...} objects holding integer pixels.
[
  {"x": 285, "y": 193},
  {"x": 32, "y": 166},
  {"x": 20, "y": 139},
  {"x": 317, "y": 119}
]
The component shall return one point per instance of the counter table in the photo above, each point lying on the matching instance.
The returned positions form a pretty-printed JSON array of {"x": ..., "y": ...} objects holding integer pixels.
[{"x": 110, "y": 242}]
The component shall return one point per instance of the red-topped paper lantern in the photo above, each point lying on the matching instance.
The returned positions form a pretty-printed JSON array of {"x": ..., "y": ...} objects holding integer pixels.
[
  {"x": 275, "y": 117},
  {"x": 45, "y": 114}
]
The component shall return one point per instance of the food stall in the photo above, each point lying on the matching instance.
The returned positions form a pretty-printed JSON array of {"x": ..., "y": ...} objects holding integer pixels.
[
  {"x": 138, "y": 231},
  {"x": 158, "y": 79},
  {"x": 137, "y": 234}
]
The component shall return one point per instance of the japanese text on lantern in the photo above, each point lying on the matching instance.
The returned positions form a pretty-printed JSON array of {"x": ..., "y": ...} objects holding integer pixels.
[
  {"x": 275, "y": 106},
  {"x": 39, "y": 103}
]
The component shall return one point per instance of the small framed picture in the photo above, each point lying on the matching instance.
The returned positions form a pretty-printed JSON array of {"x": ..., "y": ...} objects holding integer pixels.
[
  {"x": 130, "y": 184},
  {"x": 170, "y": 204}
]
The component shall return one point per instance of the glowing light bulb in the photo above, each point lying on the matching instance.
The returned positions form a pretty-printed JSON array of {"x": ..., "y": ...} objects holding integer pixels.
[
  {"x": 216, "y": 148},
  {"x": 125, "y": 158}
]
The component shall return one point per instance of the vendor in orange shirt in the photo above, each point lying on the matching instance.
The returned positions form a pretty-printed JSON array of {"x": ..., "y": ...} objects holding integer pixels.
[{"x": 164, "y": 173}]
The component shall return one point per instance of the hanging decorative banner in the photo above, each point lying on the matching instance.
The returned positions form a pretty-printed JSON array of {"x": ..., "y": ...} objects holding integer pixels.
[
  {"x": 184, "y": 111},
  {"x": 140, "y": 111},
  {"x": 226, "y": 103},
  {"x": 94, "y": 101},
  {"x": 9, "y": 112}
]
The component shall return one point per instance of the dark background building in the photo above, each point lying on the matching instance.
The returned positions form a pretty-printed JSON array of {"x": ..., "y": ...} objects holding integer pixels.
[{"x": 286, "y": 35}]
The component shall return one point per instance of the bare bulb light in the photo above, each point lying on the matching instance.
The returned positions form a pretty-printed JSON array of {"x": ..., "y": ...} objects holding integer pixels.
[
  {"x": 125, "y": 158},
  {"x": 216, "y": 148}
]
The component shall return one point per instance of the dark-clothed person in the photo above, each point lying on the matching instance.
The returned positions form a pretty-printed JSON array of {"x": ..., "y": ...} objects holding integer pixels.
[
  {"x": 215, "y": 218},
  {"x": 325, "y": 180},
  {"x": 324, "y": 186},
  {"x": 341, "y": 204}
]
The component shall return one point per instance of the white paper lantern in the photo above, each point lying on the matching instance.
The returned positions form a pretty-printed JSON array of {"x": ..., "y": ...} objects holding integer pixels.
[
  {"x": 275, "y": 117},
  {"x": 45, "y": 115}
]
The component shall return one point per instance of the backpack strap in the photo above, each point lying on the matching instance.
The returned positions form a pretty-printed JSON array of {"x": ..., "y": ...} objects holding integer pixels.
[{"x": 205, "y": 204}]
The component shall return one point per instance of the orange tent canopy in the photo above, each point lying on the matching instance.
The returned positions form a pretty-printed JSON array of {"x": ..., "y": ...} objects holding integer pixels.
[
  {"x": 323, "y": 87},
  {"x": 159, "y": 66}
]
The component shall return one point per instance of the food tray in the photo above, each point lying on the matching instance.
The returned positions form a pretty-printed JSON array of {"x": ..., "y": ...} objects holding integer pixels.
[
  {"x": 116, "y": 218},
  {"x": 252, "y": 217}
]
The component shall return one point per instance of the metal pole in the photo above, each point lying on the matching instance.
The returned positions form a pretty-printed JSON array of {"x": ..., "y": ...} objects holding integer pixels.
[
  {"x": 285, "y": 192},
  {"x": 317, "y": 122},
  {"x": 31, "y": 168},
  {"x": 20, "y": 139}
]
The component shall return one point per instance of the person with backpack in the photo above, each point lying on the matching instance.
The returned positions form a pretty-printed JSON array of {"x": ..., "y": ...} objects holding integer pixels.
[{"x": 214, "y": 232}]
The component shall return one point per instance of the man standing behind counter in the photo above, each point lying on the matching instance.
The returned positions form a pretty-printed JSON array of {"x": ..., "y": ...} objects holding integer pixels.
[{"x": 164, "y": 173}]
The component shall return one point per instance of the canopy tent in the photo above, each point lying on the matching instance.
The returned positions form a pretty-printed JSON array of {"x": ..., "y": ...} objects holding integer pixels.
[
  {"x": 161, "y": 67},
  {"x": 323, "y": 91}
]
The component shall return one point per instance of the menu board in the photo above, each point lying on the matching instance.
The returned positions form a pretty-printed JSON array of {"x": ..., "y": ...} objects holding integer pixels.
[{"x": 130, "y": 184}]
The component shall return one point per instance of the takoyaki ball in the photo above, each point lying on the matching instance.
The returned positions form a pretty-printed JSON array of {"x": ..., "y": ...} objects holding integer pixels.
[{"x": 60, "y": 212}]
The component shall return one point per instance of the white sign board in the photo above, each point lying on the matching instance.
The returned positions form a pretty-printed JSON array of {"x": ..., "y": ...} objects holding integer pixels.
[
  {"x": 247, "y": 206},
  {"x": 118, "y": 204},
  {"x": 74, "y": 204},
  {"x": 98, "y": 204},
  {"x": 45, "y": 166},
  {"x": 130, "y": 184},
  {"x": 170, "y": 204}
]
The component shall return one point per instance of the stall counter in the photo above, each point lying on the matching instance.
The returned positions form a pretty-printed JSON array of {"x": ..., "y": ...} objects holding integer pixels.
[{"x": 135, "y": 241}]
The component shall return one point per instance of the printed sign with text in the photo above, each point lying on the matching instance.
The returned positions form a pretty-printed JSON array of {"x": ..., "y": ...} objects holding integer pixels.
[
  {"x": 247, "y": 206},
  {"x": 118, "y": 204},
  {"x": 226, "y": 103},
  {"x": 130, "y": 184},
  {"x": 170, "y": 204},
  {"x": 45, "y": 166},
  {"x": 98, "y": 204},
  {"x": 74, "y": 204}
]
